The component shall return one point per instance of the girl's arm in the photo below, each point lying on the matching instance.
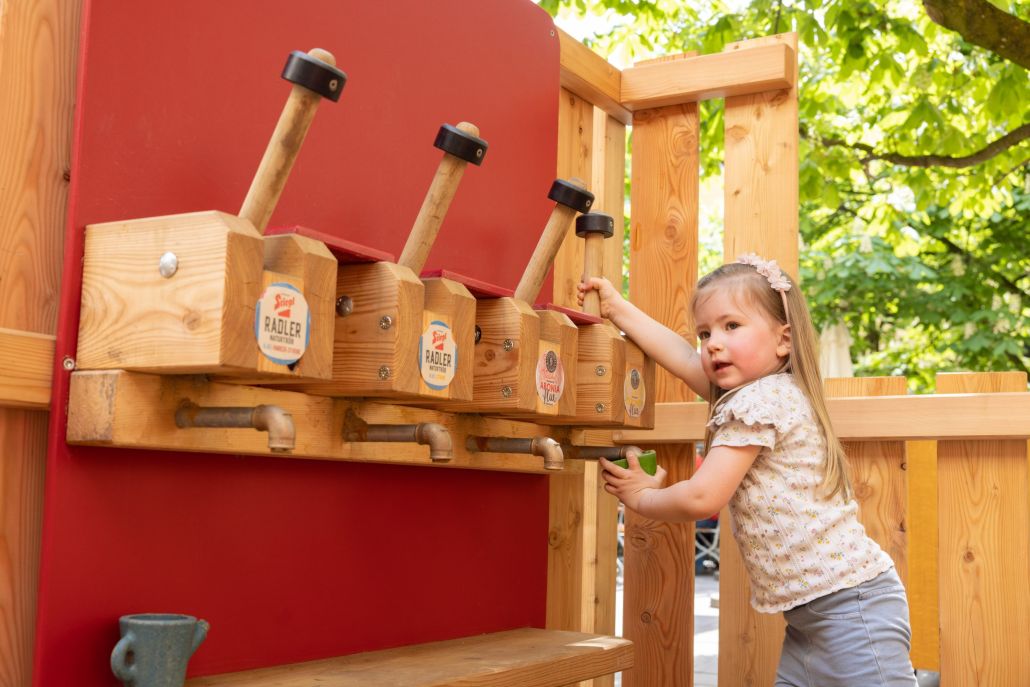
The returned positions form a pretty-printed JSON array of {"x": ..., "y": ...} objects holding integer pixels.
[
  {"x": 665, "y": 346},
  {"x": 693, "y": 499}
]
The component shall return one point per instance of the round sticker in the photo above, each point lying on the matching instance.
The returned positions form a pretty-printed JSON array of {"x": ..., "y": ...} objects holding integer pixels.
[
  {"x": 437, "y": 355},
  {"x": 634, "y": 393},
  {"x": 550, "y": 377},
  {"x": 282, "y": 323}
]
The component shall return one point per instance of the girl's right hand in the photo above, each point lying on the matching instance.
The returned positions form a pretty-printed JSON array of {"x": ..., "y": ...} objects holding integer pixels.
[{"x": 610, "y": 297}]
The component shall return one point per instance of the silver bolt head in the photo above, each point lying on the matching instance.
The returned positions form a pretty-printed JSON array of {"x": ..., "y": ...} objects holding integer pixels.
[
  {"x": 168, "y": 265},
  {"x": 599, "y": 407},
  {"x": 68, "y": 363},
  {"x": 385, "y": 322},
  {"x": 508, "y": 344},
  {"x": 600, "y": 370},
  {"x": 506, "y": 391},
  {"x": 344, "y": 306},
  {"x": 384, "y": 372}
]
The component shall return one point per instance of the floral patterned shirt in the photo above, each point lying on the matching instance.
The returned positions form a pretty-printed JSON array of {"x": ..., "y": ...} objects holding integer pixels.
[{"x": 796, "y": 546}]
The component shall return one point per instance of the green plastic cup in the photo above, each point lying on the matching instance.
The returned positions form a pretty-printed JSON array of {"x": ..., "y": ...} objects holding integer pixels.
[{"x": 648, "y": 461}]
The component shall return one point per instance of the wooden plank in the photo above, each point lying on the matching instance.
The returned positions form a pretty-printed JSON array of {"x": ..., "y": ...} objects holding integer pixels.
[
  {"x": 591, "y": 77},
  {"x": 912, "y": 418},
  {"x": 38, "y": 51},
  {"x": 878, "y": 473},
  {"x": 722, "y": 75},
  {"x": 570, "y": 547},
  {"x": 984, "y": 549},
  {"x": 922, "y": 584},
  {"x": 609, "y": 183},
  {"x": 26, "y": 369},
  {"x": 516, "y": 658},
  {"x": 575, "y": 161},
  {"x": 125, "y": 409},
  {"x": 761, "y": 176},
  {"x": 659, "y": 557},
  {"x": 761, "y": 215}
]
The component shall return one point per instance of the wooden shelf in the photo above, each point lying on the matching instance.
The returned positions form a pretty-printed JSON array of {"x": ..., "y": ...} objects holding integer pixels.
[{"x": 516, "y": 658}]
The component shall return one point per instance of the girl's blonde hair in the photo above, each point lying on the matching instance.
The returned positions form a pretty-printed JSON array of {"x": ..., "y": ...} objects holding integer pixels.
[{"x": 803, "y": 361}]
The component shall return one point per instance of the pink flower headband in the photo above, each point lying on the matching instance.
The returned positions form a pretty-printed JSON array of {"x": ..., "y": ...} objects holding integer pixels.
[{"x": 771, "y": 271}]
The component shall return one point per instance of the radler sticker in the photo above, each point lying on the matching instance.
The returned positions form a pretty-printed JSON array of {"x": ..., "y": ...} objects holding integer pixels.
[
  {"x": 282, "y": 323},
  {"x": 437, "y": 355}
]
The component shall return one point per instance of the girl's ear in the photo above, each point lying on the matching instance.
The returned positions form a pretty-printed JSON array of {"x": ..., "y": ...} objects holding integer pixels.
[{"x": 784, "y": 344}]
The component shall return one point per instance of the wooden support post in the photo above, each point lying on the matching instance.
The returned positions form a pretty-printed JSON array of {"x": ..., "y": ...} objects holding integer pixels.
[
  {"x": 658, "y": 607},
  {"x": 878, "y": 472},
  {"x": 38, "y": 54},
  {"x": 761, "y": 191},
  {"x": 984, "y": 557},
  {"x": 921, "y": 585}
]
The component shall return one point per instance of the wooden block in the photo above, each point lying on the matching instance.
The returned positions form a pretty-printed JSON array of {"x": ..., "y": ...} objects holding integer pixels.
[
  {"x": 315, "y": 267},
  {"x": 516, "y": 658},
  {"x": 375, "y": 348},
  {"x": 121, "y": 409},
  {"x": 26, "y": 369},
  {"x": 554, "y": 376},
  {"x": 200, "y": 320},
  {"x": 690, "y": 79},
  {"x": 450, "y": 309},
  {"x": 984, "y": 550},
  {"x": 504, "y": 379}
]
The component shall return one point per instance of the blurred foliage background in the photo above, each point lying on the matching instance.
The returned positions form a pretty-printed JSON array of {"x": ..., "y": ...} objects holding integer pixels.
[{"x": 915, "y": 163}]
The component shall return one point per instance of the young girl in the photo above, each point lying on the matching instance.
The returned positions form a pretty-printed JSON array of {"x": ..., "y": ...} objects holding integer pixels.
[{"x": 772, "y": 455}]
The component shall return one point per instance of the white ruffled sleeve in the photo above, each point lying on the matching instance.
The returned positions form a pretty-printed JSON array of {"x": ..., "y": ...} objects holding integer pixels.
[{"x": 755, "y": 415}]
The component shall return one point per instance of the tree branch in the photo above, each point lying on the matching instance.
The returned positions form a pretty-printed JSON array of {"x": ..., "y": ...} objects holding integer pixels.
[
  {"x": 983, "y": 24},
  {"x": 992, "y": 149}
]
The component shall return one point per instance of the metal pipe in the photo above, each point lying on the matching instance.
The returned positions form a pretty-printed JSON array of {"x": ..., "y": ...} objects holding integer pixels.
[
  {"x": 436, "y": 436},
  {"x": 264, "y": 418},
  {"x": 545, "y": 447},
  {"x": 595, "y": 452}
]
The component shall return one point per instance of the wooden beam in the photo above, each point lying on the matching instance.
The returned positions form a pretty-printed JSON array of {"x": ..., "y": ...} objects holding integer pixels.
[
  {"x": 526, "y": 658},
  {"x": 720, "y": 75},
  {"x": 132, "y": 409},
  {"x": 591, "y": 77},
  {"x": 879, "y": 418},
  {"x": 26, "y": 369}
]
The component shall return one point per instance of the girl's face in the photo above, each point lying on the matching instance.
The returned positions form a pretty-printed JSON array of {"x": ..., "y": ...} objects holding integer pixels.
[{"x": 739, "y": 343}]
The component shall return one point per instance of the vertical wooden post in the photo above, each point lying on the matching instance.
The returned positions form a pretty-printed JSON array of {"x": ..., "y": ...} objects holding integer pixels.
[
  {"x": 878, "y": 472},
  {"x": 761, "y": 215},
  {"x": 37, "y": 62},
  {"x": 984, "y": 549},
  {"x": 658, "y": 606},
  {"x": 921, "y": 585}
]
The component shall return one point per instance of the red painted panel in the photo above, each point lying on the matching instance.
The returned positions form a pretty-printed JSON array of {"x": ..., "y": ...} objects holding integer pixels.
[{"x": 289, "y": 559}]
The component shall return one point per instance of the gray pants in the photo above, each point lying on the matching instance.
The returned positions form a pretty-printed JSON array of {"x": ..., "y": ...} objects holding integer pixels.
[{"x": 855, "y": 637}]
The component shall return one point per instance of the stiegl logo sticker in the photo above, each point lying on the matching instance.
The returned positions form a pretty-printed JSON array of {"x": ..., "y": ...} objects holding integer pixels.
[
  {"x": 634, "y": 393},
  {"x": 282, "y": 323},
  {"x": 437, "y": 355},
  {"x": 550, "y": 375}
]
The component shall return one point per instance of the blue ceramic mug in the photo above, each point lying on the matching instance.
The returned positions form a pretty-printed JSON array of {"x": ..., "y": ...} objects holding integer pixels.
[{"x": 155, "y": 648}]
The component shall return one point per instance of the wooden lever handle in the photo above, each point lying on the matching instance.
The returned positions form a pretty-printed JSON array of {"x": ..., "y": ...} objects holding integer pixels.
[
  {"x": 434, "y": 207},
  {"x": 544, "y": 253},
  {"x": 282, "y": 150},
  {"x": 593, "y": 262}
]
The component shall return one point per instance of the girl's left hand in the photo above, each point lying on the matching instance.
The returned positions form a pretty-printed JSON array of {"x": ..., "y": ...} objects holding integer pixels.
[{"x": 630, "y": 484}]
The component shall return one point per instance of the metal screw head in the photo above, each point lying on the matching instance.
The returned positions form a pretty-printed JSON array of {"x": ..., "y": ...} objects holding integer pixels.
[
  {"x": 384, "y": 372},
  {"x": 344, "y": 306},
  {"x": 479, "y": 333},
  {"x": 600, "y": 370},
  {"x": 599, "y": 407},
  {"x": 385, "y": 322},
  {"x": 506, "y": 391},
  {"x": 68, "y": 363},
  {"x": 508, "y": 344},
  {"x": 168, "y": 265}
]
